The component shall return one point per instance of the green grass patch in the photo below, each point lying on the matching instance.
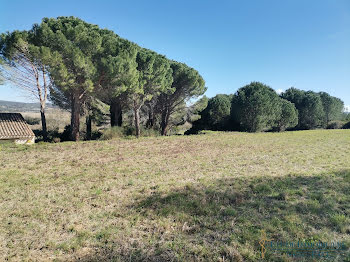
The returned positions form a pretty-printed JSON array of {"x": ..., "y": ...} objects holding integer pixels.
[{"x": 185, "y": 198}]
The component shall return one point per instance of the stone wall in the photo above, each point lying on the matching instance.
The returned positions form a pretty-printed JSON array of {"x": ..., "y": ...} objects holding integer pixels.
[{"x": 25, "y": 141}]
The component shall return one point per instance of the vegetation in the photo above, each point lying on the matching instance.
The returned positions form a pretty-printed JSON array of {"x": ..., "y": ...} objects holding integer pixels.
[
  {"x": 8, "y": 106},
  {"x": 336, "y": 125},
  {"x": 1, "y": 74},
  {"x": 347, "y": 125},
  {"x": 256, "y": 107},
  {"x": 73, "y": 71},
  {"x": 89, "y": 70},
  {"x": 141, "y": 200},
  {"x": 87, "y": 66},
  {"x": 187, "y": 84},
  {"x": 288, "y": 117},
  {"x": 309, "y": 105},
  {"x": 181, "y": 198},
  {"x": 154, "y": 78},
  {"x": 345, "y": 116},
  {"x": 215, "y": 116},
  {"x": 24, "y": 65},
  {"x": 332, "y": 107}
]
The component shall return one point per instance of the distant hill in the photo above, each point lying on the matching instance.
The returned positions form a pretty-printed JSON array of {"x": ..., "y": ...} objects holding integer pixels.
[{"x": 9, "y": 106}]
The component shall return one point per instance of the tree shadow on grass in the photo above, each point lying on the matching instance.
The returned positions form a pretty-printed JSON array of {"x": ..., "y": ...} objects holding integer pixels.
[{"x": 223, "y": 220}]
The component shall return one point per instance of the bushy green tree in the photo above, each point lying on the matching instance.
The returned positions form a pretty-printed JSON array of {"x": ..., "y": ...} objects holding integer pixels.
[
  {"x": 309, "y": 106},
  {"x": 218, "y": 112},
  {"x": 73, "y": 72},
  {"x": 288, "y": 117},
  {"x": 346, "y": 125},
  {"x": 332, "y": 107},
  {"x": 345, "y": 116},
  {"x": 117, "y": 71},
  {"x": 215, "y": 116},
  {"x": 186, "y": 114},
  {"x": 256, "y": 107},
  {"x": 195, "y": 110},
  {"x": 89, "y": 63},
  {"x": 154, "y": 78},
  {"x": 187, "y": 84},
  {"x": 311, "y": 112}
]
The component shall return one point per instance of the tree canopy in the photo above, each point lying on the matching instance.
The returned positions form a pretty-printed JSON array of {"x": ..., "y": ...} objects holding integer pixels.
[
  {"x": 332, "y": 107},
  {"x": 309, "y": 106},
  {"x": 85, "y": 63},
  {"x": 216, "y": 115},
  {"x": 288, "y": 117},
  {"x": 154, "y": 78},
  {"x": 25, "y": 66},
  {"x": 256, "y": 107},
  {"x": 73, "y": 72},
  {"x": 83, "y": 68},
  {"x": 187, "y": 83}
]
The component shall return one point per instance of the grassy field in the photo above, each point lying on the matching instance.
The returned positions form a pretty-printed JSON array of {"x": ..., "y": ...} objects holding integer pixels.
[
  {"x": 180, "y": 198},
  {"x": 55, "y": 119}
]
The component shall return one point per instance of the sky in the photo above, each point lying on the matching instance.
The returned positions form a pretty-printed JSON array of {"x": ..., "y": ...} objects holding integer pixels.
[{"x": 304, "y": 44}]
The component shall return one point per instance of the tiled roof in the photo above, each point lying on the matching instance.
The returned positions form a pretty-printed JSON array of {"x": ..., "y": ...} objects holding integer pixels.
[{"x": 13, "y": 126}]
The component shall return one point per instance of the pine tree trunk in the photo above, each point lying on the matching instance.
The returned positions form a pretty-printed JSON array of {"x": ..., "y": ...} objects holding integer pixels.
[
  {"x": 75, "y": 117},
  {"x": 88, "y": 127},
  {"x": 151, "y": 117},
  {"x": 137, "y": 120},
  {"x": 165, "y": 122},
  {"x": 43, "y": 122},
  {"x": 116, "y": 113}
]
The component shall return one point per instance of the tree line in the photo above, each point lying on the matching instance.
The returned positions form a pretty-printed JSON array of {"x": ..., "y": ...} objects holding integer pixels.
[
  {"x": 83, "y": 68},
  {"x": 79, "y": 66},
  {"x": 257, "y": 107}
]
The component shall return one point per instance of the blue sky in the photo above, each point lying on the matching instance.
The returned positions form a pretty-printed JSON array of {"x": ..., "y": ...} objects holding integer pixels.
[{"x": 305, "y": 44}]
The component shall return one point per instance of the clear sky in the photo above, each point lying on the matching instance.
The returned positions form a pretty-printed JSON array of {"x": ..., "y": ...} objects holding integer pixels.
[{"x": 305, "y": 44}]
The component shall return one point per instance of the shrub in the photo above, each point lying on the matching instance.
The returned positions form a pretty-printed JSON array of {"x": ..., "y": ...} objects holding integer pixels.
[
  {"x": 335, "y": 125},
  {"x": 339, "y": 221},
  {"x": 112, "y": 133},
  {"x": 149, "y": 132},
  {"x": 96, "y": 135},
  {"x": 215, "y": 116},
  {"x": 32, "y": 120},
  {"x": 346, "y": 126},
  {"x": 51, "y": 135},
  {"x": 127, "y": 131},
  {"x": 145, "y": 132},
  {"x": 65, "y": 136}
]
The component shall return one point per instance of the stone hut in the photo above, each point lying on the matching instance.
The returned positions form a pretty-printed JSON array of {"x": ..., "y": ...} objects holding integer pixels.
[{"x": 14, "y": 128}]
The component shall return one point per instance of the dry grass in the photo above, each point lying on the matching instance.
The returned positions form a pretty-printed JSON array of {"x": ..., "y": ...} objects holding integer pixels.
[
  {"x": 55, "y": 119},
  {"x": 194, "y": 198}
]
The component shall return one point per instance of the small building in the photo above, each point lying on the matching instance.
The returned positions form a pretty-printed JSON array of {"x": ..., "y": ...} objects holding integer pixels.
[{"x": 14, "y": 128}]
